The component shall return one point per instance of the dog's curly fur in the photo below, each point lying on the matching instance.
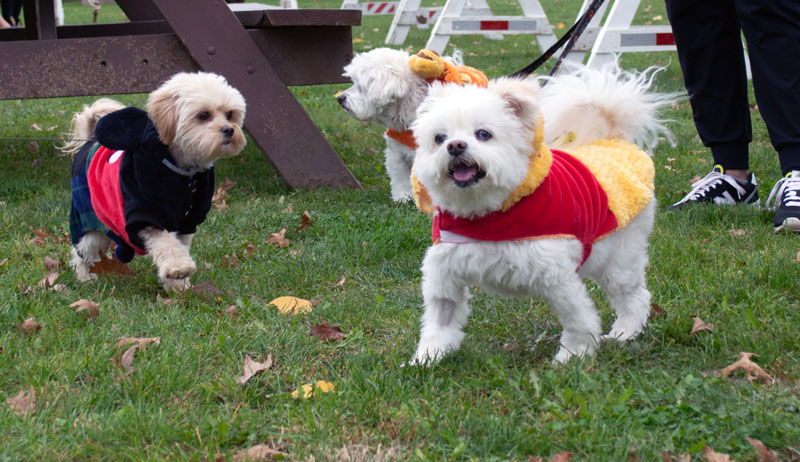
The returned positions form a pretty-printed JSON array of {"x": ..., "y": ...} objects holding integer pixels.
[
  {"x": 493, "y": 130},
  {"x": 199, "y": 117}
]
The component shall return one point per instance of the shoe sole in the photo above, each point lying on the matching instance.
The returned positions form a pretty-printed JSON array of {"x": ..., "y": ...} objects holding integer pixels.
[{"x": 789, "y": 224}]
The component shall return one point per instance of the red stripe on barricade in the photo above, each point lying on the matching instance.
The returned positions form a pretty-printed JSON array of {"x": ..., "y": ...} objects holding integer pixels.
[
  {"x": 494, "y": 25},
  {"x": 665, "y": 38}
]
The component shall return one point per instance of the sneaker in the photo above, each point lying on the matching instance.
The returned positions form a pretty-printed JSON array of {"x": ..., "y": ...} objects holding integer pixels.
[
  {"x": 785, "y": 199},
  {"x": 721, "y": 189}
]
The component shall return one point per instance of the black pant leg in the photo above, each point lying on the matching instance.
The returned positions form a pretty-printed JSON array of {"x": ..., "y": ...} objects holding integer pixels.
[
  {"x": 772, "y": 31},
  {"x": 708, "y": 39}
]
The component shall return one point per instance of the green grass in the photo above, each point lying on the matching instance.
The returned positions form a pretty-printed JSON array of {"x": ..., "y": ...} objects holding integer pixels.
[{"x": 498, "y": 398}]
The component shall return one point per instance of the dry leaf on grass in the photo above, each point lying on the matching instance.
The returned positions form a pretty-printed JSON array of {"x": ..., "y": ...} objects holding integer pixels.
[
  {"x": 751, "y": 369},
  {"x": 325, "y": 331},
  {"x": 24, "y": 403},
  {"x": 257, "y": 452},
  {"x": 36, "y": 127},
  {"x": 110, "y": 266},
  {"x": 232, "y": 311},
  {"x": 5, "y": 260},
  {"x": 699, "y": 325},
  {"x": 737, "y": 233},
  {"x": 309, "y": 389},
  {"x": 207, "y": 288},
  {"x": 305, "y": 222},
  {"x": 140, "y": 341},
  {"x": 656, "y": 310},
  {"x": 49, "y": 280},
  {"x": 164, "y": 300},
  {"x": 563, "y": 456},
  {"x": 86, "y": 305},
  {"x": 714, "y": 456},
  {"x": 126, "y": 359},
  {"x": 253, "y": 368},
  {"x": 219, "y": 200},
  {"x": 291, "y": 305},
  {"x": 30, "y": 327},
  {"x": 279, "y": 239},
  {"x": 681, "y": 458},
  {"x": 51, "y": 264},
  {"x": 340, "y": 283},
  {"x": 764, "y": 453}
]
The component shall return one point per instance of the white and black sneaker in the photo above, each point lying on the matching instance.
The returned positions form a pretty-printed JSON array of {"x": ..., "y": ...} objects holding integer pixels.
[
  {"x": 721, "y": 189},
  {"x": 785, "y": 200}
]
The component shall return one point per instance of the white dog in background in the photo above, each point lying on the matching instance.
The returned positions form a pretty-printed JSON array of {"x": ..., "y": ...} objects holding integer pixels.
[
  {"x": 387, "y": 92},
  {"x": 481, "y": 159},
  {"x": 145, "y": 179}
]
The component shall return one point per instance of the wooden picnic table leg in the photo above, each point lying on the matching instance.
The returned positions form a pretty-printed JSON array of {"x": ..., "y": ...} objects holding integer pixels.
[{"x": 275, "y": 120}]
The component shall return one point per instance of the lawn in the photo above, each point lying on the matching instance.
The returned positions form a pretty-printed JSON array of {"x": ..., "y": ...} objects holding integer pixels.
[{"x": 498, "y": 398}]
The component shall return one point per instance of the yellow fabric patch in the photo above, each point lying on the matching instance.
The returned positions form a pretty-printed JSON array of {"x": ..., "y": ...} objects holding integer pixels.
[{"x": 624, "y": 171}]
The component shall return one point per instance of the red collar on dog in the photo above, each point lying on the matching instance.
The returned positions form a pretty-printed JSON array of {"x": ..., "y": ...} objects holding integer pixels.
[{"x": 569, "y": 204}]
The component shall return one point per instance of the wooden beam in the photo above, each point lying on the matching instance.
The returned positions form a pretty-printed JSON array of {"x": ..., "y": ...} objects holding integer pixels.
[{"x": 275, "y": 120}]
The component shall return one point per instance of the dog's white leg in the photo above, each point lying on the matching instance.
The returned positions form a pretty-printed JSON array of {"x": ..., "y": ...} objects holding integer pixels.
[
  {"x": 446, "y": 311},
  {"x": 621, "y": 275},
  {"x": 399, "y": 171},
  {"x": 87, "y": 252},
  {"x": 170, "y": 256},
  {"x": 575, "y": 310}
]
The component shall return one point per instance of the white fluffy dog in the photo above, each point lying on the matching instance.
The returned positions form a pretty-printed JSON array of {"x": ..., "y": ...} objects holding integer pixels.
[
  {"x": 387, "y": 92},
  {"x": 518, "y": 219},
  {"x": 145, "y": 179}
]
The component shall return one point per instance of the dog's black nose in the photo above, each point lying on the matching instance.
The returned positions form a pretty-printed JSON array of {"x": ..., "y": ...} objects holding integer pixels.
[
  {"x": 456, "y": 147},
  {"x": 341, "y": 99},
  {"x": 227, "y": 131}
]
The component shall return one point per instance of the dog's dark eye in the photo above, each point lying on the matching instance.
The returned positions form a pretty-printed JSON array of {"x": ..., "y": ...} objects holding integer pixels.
[
  {"x": 203, "y": 115},
  {"x": 439, "y": 138},
  {"x": 229, "y": 115},
  {"x": 483, "y": 135}
]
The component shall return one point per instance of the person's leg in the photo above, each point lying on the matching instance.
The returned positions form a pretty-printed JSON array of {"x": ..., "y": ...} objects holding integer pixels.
[
  {"x": 772, "y": 31},
  {"x": 709, "y": 44},
  {"x": 710, "y": 52}
]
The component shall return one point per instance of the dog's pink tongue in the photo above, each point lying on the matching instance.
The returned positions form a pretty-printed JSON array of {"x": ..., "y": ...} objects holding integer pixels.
[{"x": 465, "y": 173}]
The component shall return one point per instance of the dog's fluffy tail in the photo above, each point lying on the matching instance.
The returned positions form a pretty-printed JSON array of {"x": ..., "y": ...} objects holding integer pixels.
[
  {"x": 592, "y": 104},
  {"x": 83, "y": 123}
]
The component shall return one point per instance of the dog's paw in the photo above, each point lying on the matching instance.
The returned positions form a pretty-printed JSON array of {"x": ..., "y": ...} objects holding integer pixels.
[
  {"x": 626, "y": 328},
  {"x": 176, "y": 285},
  {"x": 85, "y": 275},
  {"x": 177, "y": 268},
  {"x": 574, "y": 345}
]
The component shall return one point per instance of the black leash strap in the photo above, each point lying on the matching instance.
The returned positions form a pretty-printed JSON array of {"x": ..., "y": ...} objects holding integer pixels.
[{"x": 571, "y": 36}]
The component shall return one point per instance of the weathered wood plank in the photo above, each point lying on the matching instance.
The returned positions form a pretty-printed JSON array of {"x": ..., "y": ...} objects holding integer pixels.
[{"x": 275, "y": 120}]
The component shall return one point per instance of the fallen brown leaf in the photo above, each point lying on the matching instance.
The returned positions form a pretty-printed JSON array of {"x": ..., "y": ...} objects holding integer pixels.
[
  {"x": 279, "y": 239},
  {"x": 36, "y": 127},
  {"x": 656, "y": 310},
  {"x": 110, "y": 266},
  {"x": 126, "y": 359},
  {"x": 253, "y": 368},
  {"x": 325, "y": 331},
  {"x": 24, "y": 403},
  {"x": 5, "y": 260},
  {"x": 751, "y": 369},
  {"x": 164, "y": 300},
  {"x": 232, "y": 311},
  {"x": 49, "y": 279},
  {"x": 563, "y": 456},
  {"x": 30, "y": 327},
  {"x": 51, "y": 264},
  {"x": 219, "y": 200},
  {"x": 714, "y": 456},
  {"x": 140, "y": 341},
  {"x": 207, "y": 289},
  {"x": 699, "y": 325},
  {"x": 41, "y": 236},
  {"x": 681, "y": 458},
  {"x": 340, "y": 283},
  {"x": 305, "y": 222},
  {"x": 737, "y": 233},
  {"x": 764, "y": 453},
  {"x": 257, "y": 452},
  {"x": 84, "y": 305}
]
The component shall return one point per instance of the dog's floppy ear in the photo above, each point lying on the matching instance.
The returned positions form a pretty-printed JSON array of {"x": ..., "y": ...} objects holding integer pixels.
[
  {"x": 521, "y": 97},
  {"x": 162, "y": 106}
]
